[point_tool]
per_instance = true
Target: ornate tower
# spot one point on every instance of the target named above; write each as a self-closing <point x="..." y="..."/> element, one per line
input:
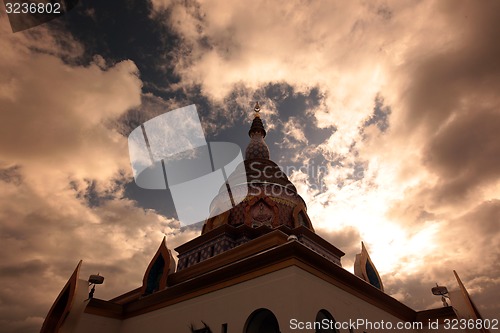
<point x="272" y="199"/>
<point x="257" y="267"/>
<point x="272" y="202"/>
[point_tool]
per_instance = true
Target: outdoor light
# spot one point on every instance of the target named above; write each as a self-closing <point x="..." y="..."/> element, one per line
<point x="93" y="280"/>
<point x="441" y="291"/>
<point x="96" y="279"/>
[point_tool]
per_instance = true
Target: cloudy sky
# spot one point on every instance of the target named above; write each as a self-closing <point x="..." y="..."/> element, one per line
<point x="386" y="116"/>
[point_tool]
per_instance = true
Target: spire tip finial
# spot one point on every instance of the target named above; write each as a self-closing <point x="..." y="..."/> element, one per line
<point x="256" y="107"/>
<point x="257" y="125"/>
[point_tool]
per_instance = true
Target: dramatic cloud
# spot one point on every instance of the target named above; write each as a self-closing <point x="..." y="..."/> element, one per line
<point x="62" y="171"/>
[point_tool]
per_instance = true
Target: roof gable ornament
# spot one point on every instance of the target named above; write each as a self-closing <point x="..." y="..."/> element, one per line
<point x="162" y="264"/>
<point x="63" y="304"/>
<point x="365" y="269"/>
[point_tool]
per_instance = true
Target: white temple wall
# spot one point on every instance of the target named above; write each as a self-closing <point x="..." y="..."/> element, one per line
<point x="293" y="295"/>
<point x="290" y="293"/>
<point x="98" y="324"/>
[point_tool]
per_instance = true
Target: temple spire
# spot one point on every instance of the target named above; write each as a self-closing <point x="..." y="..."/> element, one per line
<point x="257" y="125"/>
<point x="257" y="148"/>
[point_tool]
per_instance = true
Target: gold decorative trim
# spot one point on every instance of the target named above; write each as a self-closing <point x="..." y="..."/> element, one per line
<point x="285" y="202"/>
